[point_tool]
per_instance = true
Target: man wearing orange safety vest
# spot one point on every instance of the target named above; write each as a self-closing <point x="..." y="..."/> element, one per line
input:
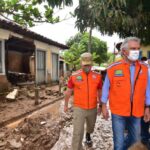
<point x="86" y="85"/>
<point x="127" y="87"/>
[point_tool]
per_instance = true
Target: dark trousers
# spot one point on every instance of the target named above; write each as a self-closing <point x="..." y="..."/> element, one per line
<point x="145" y="134"/>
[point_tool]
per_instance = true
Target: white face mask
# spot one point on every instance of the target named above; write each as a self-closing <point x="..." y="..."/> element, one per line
<point x="133" y="55"/>
<point x="146" y="61"/>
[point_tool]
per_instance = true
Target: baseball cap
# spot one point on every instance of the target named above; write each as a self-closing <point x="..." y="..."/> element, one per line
<point x="86" y="59"/>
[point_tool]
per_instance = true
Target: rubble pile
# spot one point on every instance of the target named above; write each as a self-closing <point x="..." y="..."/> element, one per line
<point x="44" y="92"/>
<point x="39" y="133"/>
<point x="24" y="92"/>
<point x="17" y="77"/>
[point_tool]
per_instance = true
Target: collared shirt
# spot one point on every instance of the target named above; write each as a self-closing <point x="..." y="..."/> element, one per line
<point x="132" y="72"/>
<point x="106" y="86"/>
<point x="148" y="89"/>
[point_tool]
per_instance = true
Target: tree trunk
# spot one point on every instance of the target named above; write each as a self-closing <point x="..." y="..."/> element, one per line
<point x="90" y="39"/>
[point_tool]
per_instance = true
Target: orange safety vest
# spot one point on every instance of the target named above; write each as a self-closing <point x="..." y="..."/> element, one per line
<point x="122" y="101"/>
<point x="86" y="89"/>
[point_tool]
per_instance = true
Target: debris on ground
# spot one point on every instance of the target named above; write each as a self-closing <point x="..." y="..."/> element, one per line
<point x="38" y="133"/>
<point x="25" y="100"/>
<point x="31" y="94"/>
<point x="14" y="144"/>
<point x="43" y="132"/>
<point x="12" y="95"/>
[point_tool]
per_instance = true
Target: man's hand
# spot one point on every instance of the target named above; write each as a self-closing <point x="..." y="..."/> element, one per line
<point x="65" y="108"/>
<point x="99" y="110"/>
<point x="67" y="96"/>
<point x="105" y="112"/>
<point x="147" y="114"/>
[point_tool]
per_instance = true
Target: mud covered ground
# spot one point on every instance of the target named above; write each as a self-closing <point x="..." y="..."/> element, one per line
<point x="25" y="101"/>
<point x="102" y="136"/>
<point x="51" y="128"/>
<point x="38" y="132"/>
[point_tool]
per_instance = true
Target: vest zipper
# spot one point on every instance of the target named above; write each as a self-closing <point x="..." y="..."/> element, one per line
<point x="131" y="96"/>
<point x="88" y="89"/>
<point x="134" y="89"/>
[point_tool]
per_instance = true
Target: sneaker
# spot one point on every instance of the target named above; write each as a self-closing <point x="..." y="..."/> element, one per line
<point x="88" y="141"/>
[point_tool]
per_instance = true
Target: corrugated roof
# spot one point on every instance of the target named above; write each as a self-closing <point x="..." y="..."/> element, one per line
<point x="11" y="26"/>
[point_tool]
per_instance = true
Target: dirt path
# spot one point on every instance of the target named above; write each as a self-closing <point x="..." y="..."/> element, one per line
<point x="102" y="136"/>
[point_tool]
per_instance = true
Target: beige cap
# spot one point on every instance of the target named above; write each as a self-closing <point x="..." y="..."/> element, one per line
<point x="86" y="59"/>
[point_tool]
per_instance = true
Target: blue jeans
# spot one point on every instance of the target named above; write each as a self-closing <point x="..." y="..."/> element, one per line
<point x="119" y="124"/>
<point x="145" y="135"/>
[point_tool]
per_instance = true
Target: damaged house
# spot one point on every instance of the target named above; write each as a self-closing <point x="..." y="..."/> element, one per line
<point x="26" y="56"/>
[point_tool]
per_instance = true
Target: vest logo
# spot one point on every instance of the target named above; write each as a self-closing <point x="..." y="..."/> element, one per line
<point x="118" y="73"/>
<point x="79" y="78"/>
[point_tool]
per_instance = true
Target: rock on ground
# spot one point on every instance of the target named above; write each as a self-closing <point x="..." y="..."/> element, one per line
<point x="12" y="95"/>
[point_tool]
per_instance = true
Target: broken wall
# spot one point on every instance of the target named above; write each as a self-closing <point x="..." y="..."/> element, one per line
<point x="4" y="84"/>
<point x="15" y="60"/>
<point x="20" y="62"/>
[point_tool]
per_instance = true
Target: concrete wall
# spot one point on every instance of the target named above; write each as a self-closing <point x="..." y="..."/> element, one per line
<point x="53" y="49"/>
<point x="5" y="34"/>
<point x="4" y="84"/>
<point x="49" y="50"/>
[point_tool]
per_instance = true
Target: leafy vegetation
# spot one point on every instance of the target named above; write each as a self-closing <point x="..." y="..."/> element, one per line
<point x="124" y="17"/>
<point x="79" y="44"/>
<point x="30" y="12"/>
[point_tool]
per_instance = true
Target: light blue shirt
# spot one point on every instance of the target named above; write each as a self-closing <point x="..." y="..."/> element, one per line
<point x="106" y="86"/>
<point x="148" y="89"/>
<point x="132" y="72"/>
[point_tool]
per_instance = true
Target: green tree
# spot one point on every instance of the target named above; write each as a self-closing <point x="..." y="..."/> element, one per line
<point x="29" y="12"/>
<point x="86" y="19"/>
<point x="125" y="17"/>
<point x="79" y="44"/>
<point x="110" y="58"/>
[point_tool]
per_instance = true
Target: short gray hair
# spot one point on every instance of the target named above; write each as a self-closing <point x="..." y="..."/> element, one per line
<point x="124" y="45"/>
